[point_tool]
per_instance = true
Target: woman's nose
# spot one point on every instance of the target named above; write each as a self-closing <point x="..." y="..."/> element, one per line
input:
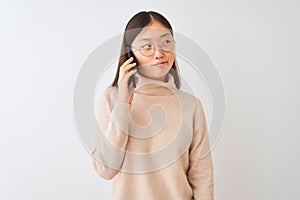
<point x="158" y="52"/>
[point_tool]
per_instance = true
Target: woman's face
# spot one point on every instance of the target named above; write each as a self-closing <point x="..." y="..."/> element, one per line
<point x="154" y="34"/>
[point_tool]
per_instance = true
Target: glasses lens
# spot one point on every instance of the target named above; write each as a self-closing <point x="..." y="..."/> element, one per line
<point x="166" y="46"/>
<point x="147" y="51"/>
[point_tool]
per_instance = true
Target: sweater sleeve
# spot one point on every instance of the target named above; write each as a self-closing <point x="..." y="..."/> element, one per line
<point x="200" y="173"/>
<point x="111" y="142"/>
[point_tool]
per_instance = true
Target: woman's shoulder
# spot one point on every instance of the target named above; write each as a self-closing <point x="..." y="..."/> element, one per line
<point x="109" y="93"/>
<point x="109" y="90"/>
<point x="191" y="102"/>
<point x="188" y="97"/>
<point x="107" y="97"/>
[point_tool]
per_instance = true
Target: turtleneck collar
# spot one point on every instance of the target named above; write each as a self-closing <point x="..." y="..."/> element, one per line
<point x="152" y="87"/>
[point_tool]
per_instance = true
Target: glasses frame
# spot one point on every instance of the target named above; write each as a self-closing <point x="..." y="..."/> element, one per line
<point x="155" y="48"/>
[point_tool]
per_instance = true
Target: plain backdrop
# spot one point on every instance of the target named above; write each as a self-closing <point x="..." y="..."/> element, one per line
<point x="254" y="44"/>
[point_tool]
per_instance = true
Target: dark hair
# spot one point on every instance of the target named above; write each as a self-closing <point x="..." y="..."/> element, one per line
<point x="133" y="28"/>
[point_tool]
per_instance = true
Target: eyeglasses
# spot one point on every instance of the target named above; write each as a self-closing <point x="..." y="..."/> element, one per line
<point x="149" y="48"/>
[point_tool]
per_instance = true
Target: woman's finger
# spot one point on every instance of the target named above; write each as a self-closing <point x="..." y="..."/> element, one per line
<point x="129" y="66"/>
<point x="128" y="75"/>
<point x="125" y="67"/>
<point x="127" y="62"/>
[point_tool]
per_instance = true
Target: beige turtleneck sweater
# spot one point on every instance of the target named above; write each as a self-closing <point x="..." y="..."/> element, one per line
<point x="153" y="148"/>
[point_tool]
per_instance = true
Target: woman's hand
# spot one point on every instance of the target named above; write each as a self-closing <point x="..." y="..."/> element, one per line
<point x="125" y="92"/>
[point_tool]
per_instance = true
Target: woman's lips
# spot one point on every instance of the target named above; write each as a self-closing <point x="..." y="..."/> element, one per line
<point x="160" y="64"/>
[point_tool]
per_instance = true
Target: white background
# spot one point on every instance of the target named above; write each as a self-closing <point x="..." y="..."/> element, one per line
<point x="254" y="44"/>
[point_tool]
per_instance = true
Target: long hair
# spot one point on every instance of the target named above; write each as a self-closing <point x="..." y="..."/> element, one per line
<point x="133" y="28"/>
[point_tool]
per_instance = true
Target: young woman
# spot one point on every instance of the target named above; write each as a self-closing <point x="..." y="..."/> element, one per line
<point x="152" y="132"/>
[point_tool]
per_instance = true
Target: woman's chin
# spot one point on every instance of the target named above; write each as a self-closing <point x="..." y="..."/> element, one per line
<point x="155" y="72"/>
<point x="155" y="76"/>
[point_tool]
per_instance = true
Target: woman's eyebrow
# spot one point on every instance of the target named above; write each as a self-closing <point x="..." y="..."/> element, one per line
<point x="144" y="39"/>
<point x="163" y="35"/>
<point x="166" y="34"/>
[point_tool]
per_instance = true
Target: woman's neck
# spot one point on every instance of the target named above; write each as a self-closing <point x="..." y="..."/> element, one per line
<point x="154" y="87"/>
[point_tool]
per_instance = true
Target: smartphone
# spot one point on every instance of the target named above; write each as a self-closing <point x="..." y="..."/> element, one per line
<point x="131" y="78"/>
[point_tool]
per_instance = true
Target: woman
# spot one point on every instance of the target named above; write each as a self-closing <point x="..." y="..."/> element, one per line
<point x="161" y="160"/>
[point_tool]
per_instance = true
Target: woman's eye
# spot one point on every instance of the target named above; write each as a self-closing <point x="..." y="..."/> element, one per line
<point x="166" y="42"/>
<point x="147" y="46"/>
